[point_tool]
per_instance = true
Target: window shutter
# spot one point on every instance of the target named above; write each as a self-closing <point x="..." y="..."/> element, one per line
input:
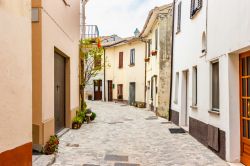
<point x="192" y="8"/>
<point x="199" y="4"/>
<point x="121" y="60"/>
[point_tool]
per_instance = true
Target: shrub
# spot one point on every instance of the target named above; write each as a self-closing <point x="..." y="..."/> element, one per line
<point x="52" y="145"/>
<point x="93" y="116"/>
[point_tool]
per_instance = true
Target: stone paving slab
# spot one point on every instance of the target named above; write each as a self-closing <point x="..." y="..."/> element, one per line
<point x="145" y="142"/>
<point x="115" y="158"/>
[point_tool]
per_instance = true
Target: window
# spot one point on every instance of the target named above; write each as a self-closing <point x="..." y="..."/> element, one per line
<point x="179" y="18"/>
<point x="215" y="87"/>
<point x="149" y="47"/>
<point x="196" y="5"/>
<point x="35" y="15"/>
<point x="156" y="39"/>
<point x="132" y="57"/>
<point x="194" y="99"/>
<point x="176" y="88"/>
<point x="120" y="60"/>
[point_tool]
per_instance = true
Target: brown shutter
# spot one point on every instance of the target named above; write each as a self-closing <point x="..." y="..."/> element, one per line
<point x="121" y="60"/>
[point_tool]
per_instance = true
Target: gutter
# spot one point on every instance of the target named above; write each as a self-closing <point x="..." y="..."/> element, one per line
<point x="172" y="57"/>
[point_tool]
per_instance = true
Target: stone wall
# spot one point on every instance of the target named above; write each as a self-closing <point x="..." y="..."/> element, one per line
<point x="165" y="28"/>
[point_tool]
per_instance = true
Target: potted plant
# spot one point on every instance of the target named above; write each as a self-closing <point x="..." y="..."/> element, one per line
<point x="77" y="122"/>
<point x="93" y="116"/>
<point x="147" y="59"/>
<point x="119" y="97"/>
<point x="154" y="52"/>
<point x="52" y="145"/>
<point x="88" y="115"/>
<point x="90" y="97"/>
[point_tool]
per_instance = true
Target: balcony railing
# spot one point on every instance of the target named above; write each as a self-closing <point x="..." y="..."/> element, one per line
<point x="90" y="32"/>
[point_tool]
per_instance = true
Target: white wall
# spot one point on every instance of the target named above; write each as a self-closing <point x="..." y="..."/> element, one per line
<point x="60" y="29"/>
<point x="227" y="36"/>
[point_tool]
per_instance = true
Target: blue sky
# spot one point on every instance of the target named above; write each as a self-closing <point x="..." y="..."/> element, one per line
<point x="120" y="17"/>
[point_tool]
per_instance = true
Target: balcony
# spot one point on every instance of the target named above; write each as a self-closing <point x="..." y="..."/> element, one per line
<point x="90" y="32"/>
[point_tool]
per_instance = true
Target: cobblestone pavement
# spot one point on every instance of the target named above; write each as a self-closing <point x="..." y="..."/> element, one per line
<point x="124" y="134"/>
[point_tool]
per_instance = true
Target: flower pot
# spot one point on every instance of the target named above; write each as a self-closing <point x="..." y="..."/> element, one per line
<point x="154" y="53"/>
<point x="147" y="59"/>
<point x="76" y="125"/>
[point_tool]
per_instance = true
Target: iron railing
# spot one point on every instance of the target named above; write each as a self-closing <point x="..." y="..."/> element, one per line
<point x="90" y="31"/>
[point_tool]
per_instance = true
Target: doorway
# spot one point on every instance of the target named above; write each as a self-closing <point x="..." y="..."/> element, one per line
<point x="59" y="92"/>
<point x="120" y="92"/>
<point x="110" y="90"/>
<point x="132" y="93"/>
<point x="97" y="89"/>
<point x="245" y="107"/>
<point x="184" y="101"/>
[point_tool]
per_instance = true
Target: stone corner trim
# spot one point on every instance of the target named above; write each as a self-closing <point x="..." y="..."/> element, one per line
<point x="19" y="156"/>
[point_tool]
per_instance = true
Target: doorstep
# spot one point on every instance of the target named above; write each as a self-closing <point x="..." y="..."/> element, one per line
<point x="62" y="132"/>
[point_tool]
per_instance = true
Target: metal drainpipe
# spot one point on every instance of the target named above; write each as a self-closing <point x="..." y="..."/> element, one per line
<point x="145" y="77"/>
<point x="104" y="74"/>
<point x="172" y="55"/>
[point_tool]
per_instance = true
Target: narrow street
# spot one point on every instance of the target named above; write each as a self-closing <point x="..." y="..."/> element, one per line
<point x="124" y="134"/>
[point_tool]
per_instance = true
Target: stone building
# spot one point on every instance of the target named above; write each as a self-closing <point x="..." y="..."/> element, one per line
<point x="55" y="67"/>
<point x="157" y="33"/>
<point x="16" y="83"/>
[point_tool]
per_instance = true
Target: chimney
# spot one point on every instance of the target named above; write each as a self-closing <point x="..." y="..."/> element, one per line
<point x="137" y="32"/>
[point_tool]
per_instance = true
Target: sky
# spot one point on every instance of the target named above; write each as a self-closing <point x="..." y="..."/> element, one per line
<point x="120" y="17"/>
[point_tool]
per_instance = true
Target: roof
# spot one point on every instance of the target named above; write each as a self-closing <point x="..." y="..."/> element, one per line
<point x="152" y="17"/>
<point x="121" y="41"/>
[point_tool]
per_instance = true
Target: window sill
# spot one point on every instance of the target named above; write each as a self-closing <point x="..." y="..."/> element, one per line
<point x="177" y="32"/>
<point x="215" y="112"/>
<point x="131" y="65"/>
<point x="194" y="107"/>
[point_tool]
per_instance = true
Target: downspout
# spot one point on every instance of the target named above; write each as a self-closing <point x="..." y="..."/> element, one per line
<point x="145" y="70"/>
<point x="172" y="57"/>
<point x="145" y="77"/>
<point x="206" y="25"/>
<point x="104" y="74"/>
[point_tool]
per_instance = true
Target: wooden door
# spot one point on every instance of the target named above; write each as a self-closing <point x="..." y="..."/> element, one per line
<point x="120" y="92"/>
<point x="59" y="92"/>
<point x="97" y="89"/>
<point x="110" y="90"/>
<point x="132" y="93"/>
<point x="245" y="107"/>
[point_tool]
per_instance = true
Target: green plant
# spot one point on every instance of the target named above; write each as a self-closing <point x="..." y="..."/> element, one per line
<point x="81" y="114"/>
<point x="77" y="120"/>
<point x="52" y="145"/>
<point x="93" y="116"/>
